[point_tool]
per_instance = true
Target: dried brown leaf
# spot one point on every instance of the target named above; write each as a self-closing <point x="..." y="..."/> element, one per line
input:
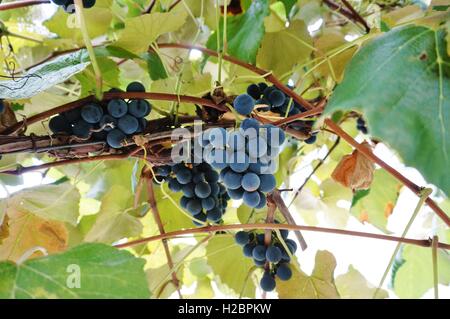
<point x="355" y="171"/>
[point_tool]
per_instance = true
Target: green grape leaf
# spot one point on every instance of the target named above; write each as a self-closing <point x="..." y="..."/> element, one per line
<point x="44" y="76"/>
<point x="401" y="82"/>
<point x="110" y="75"/>
<point x="142" y="30"/>
<point x="244" y="32"/>
<point x="320" y="285"/>
<point x="297" y="46"/>
<point x="114" y="220"/>
<point x="156" y="68"/>
<point x="353" y="285"/>
<point x="230" y="265"/>
<point x="171" y="216"/>
<point x="86" y="271"/>
<point x="415" y="275"/>
<point x="378" y="204"/>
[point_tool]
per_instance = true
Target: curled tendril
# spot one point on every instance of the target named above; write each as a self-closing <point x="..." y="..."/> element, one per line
<point x="11" y="67"/>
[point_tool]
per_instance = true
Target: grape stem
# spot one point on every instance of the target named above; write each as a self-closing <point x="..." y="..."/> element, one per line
<point x="348" y="12"/>
<point x="157" y="217"/>
<point x="279" y="202"/>
<point x="21" y="4"/>
<point x="371" y="156"/>
<point x="218" y="228"/>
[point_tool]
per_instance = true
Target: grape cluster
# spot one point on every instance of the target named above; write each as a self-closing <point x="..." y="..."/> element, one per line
<point x="361" y="125"/>
<point x="112" y="122"/>
<point x="69" y="6"/>
<point x="275" y="255"/>
<point x="245" y="158"/>
<point x="204" y="197"/>
<point x="269" y="98"/>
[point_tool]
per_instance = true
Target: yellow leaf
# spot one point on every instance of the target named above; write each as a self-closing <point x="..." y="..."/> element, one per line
<point x="280" y="51"/>
<point x="320" y="285"/>
<point x="141" y="31"/>
<point x="27" y="231"/>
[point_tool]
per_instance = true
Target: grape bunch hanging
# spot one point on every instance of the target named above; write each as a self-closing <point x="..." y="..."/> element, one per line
<point x="245" y="158"/>
<point x="273" y="258"/>
<point x="204" y="197"/>
<point x="112" y="122"/>
<point x="69" y="6"/>
<point x="269" y="98"/>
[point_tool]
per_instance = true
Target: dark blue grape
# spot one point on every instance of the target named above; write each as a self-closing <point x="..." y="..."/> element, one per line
<point x="212" y="176"/>
<point x="108" y="122"/>
<point x="292" y="245"/>
<point x="284" y="233"/>
<point x="248" y="250"/>
<point x="215" y="190"/>
<point x="198" y="177"/>
<point x="184" y="176"/>
<point x="194" y="207"/>
<point x="218" y="137"/>
<point x="59" y="124"/>
<point x="92" y="113"/>
<point x="275" y="136"/>
<point x="267" y="183"/>
<point x="135" y="87"/>
<point x="188" y="190"/>
<point x="250" y="182"/>
<point x="73" y="115"/>
<point x="184" y="201"/>
<point x="259" y="252"/>
<point x="214" y="214"/>
<point x="259" y="263"/>
<point x="139" y="108"/>
<point x="273" y="254"/>
<point x="174" y="186"/>
<point x="284" y="272"/>
<point x="236" y="141"/>
<point x="267" y="282"/>
<point x="239" y="162"/>
<point x="115" y="138"/>
<point x="244" y="104"/>
<point x="82" y="129"/>
<point x="257" y="147"/>
<point x="202" y="190"/>
<point x="260" y="238"/>
<point x="276" y="97"/>
<point x="251" y="198"/>
<point x="249" y="123"/>
<point x="311" y="140"/>
<point x="201" y="217"/>
<point x="163" y="170"/>
<point x="88" y="3"/>
<point x="236" y="194"/>
<point x="254" y="91"/>
<point x="262" y="86"/>
<point x="117" y="108"/>
<point x="208" y="203"/>
<point x="232" y="180"/>
<point x="267" y="91"/>
<point x="262" y="201"/>
<point x="128" y="124"/>
<point x="242" y="238"/>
